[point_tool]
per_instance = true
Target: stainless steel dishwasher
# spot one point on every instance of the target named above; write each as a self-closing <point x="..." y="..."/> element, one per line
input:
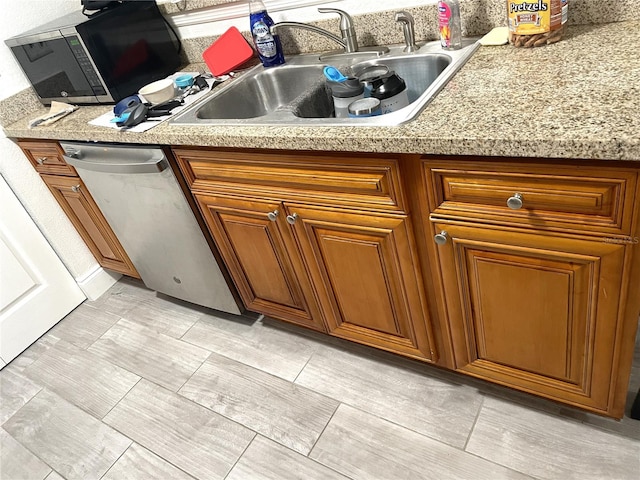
<point x="141" y="199"/>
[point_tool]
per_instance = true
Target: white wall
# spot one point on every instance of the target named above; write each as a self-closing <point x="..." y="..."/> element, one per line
<point x="17" y="17"/>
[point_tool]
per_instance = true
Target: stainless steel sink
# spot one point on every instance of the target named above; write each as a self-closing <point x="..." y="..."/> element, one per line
<point x="296" y="92"/>
<point x="258" y="95"/>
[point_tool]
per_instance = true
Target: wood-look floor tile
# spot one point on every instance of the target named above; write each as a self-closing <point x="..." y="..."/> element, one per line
<point x="31" y="354"/>
<point x="54" y="476"/>
<point x="278" y="409"/>
<point x="84" y="325"/>
<point x="363" y="446"/>
<point x="157" y="357"/>
<point x="18" y="463"/>
<point x="70" y="440"/>
<point x="122" y="296"/>
<point x="625" y="427"/>
<point x="138" y="463"/>
<point x="426" y="404"/>
<point x="267" y="460"/>
<point x="273" y="350"/>
<point x="191" y="437"/>
<point x="164" y="316"/>
<point x="15" y="391"/>
<point x="82" y="378"/>
<point x="549" y="447"/>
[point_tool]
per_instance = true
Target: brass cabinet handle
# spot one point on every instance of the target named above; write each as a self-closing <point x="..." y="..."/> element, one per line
<point x="75" y="188"/>
<point x="273" y="215"/>
<point x="441" y="238"/>
<point x="291" y="219"/>
<point x="515" y="202"/>
<point x="41" y="160"/>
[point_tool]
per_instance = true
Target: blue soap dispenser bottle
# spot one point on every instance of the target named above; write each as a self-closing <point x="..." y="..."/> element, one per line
<point x="268" y="45"/>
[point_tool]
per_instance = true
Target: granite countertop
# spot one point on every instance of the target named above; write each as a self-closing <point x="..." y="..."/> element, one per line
<point x="578" y="98"/>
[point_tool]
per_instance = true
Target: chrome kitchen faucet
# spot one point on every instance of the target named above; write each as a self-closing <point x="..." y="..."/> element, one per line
<point x="349" y="40"/>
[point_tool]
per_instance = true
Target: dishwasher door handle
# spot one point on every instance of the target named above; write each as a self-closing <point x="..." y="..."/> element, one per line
<point x="155" y="164"/>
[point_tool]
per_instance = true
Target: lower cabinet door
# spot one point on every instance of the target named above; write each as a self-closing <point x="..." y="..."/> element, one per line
<point x="367" y="278"/>
<point x="534" y="312"/>
<point x="75" y="200"/>
<point x="258" y="249"/>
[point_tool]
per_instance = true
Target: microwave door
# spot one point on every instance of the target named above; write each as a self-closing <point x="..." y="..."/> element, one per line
<point x="131" y="46"/>
<point x="53" y="70"/>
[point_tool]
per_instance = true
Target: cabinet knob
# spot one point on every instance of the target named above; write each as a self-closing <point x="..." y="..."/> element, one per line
<point x="41" y="160"/>
<point x="291" y="219"/>
<point x="515" y="202"/>
<point x="441" y="238"/>
<point x="75" y="188"/>
<point x="273" y="215"/>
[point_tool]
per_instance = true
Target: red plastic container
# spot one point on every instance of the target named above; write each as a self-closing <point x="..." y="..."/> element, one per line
<point x="229" y="51"/>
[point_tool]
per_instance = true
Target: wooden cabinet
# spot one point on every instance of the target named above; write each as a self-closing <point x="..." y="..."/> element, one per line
<point x="75" y="200"/>
<point x="365" y="271"/>
<point x="532" y="311"/>
<point x="319" y="240"/>
<point x="85" y="215"/>
<point x="521" y="272"/>
<point x="530" y="286"/>
<point x="536" y="292"/>
<point x="261" y="258"/>
<point x="576" y="198"/>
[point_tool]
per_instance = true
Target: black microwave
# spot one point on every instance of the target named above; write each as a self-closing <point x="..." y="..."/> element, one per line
<point x="101" y="58"/>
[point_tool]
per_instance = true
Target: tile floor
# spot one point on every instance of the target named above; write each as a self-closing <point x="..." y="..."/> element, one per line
<point x="136" y="386"/>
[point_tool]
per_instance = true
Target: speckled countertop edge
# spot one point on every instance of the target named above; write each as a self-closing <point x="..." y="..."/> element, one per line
<point x="579" y="98"/>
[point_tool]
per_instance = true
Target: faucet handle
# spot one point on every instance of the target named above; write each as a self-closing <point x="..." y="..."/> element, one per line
<point x="406" y="19"/>
<point x="347" y="28"/>
<point x="346" y="21"/>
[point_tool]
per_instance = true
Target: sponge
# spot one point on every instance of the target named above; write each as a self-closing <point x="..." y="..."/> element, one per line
<point x="497" y="36"/>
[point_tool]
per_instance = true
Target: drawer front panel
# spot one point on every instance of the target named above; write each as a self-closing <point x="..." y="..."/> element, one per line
<point x="552" y="197"/>
<point x="354" y="180"/>
<point x="46" y="157"/>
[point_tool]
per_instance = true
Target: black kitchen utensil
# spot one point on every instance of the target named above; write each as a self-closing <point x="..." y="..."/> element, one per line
<point x="201" y="82"/>
<point x="166" y="107"/>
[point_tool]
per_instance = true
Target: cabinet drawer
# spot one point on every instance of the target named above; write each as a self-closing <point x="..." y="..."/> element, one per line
<point x="333" y="179"/>
<point x="46" y="157"/>
<point x="552" y="197"/>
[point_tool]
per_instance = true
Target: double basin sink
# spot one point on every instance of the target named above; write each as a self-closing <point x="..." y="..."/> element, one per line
<point x="296" y="93"/>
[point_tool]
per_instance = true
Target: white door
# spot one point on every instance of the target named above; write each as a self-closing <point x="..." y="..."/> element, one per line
<point x="36" y="290"/>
